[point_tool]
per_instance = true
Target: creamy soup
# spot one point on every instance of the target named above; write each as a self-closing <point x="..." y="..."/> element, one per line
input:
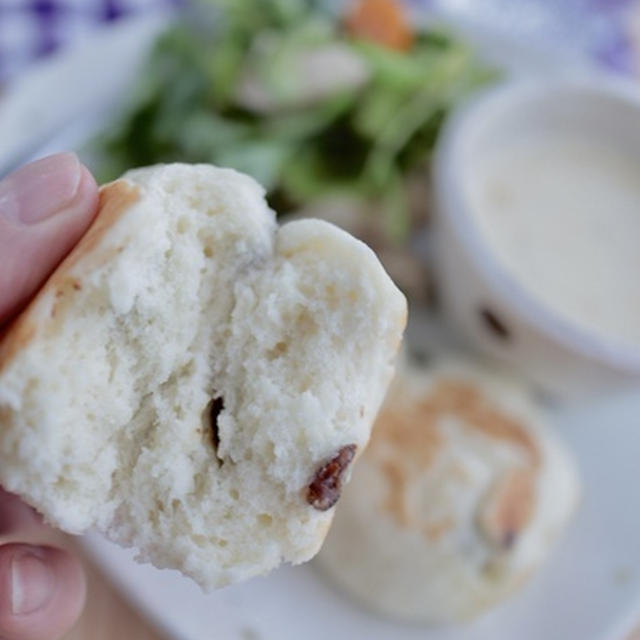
<point x="562" y="214"/>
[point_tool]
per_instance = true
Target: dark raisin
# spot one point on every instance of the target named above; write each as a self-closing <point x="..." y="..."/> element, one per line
<point x="217" y="405"/>
<point x="324" y="490"/>
<point x="493" y="323"/>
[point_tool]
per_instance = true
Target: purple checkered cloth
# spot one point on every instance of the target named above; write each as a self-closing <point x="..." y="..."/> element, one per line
<point x="30" y="29"/>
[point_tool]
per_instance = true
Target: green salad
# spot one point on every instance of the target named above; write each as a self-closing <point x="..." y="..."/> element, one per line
<point x="313" y="103"/>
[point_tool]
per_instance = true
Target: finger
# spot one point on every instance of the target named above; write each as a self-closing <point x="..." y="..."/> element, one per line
<point x="30" y="576"/>
<point x="42" y="592"/>
<point x="45" y="207"/>
<point x="16" y="517"/>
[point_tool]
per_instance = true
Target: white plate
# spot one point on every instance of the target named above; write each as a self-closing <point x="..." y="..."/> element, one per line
<point x="590" y="590"/>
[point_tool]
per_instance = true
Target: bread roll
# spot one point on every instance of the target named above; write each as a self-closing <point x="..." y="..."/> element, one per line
<point x="193" y="380"/>
<point x="458" y="499"/>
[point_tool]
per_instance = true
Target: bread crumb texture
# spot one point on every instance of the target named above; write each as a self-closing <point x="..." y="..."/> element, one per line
<point x="186" y="371"/>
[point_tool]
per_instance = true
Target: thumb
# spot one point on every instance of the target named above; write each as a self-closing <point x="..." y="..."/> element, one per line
<point x="42" y="588"/>
<point x="45" y="207"/>
<point x="42" y="591"/>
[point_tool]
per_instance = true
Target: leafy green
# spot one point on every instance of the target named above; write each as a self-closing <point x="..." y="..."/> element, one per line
<point x="234" y="83"/>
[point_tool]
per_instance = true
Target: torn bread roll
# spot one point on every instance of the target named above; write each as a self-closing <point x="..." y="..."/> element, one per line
<point x="458" y="498"/>
<point x="195" y="381"/>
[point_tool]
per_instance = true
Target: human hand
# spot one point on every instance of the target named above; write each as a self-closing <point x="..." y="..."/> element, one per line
<point x="45" y="207"/>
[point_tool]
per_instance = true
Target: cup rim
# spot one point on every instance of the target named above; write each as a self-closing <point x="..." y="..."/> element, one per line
<point x="616" y="353"/>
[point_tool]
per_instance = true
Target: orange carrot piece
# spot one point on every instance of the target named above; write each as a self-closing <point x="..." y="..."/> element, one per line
<point x="382" y="21"/>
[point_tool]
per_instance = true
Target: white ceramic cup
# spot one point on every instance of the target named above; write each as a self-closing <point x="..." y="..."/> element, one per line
<point x="492" y="310"/>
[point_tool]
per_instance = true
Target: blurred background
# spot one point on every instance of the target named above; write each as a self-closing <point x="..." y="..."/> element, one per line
<point x="603" y="29"/>
<point x="489" y="152"/>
